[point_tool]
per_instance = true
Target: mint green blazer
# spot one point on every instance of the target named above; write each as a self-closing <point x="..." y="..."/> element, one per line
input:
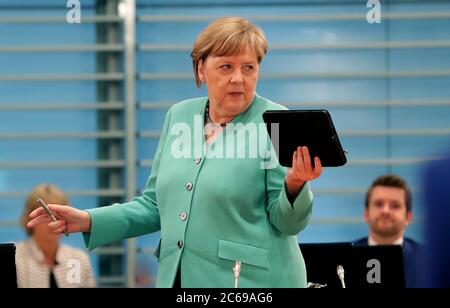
<point x="213" y="211"/>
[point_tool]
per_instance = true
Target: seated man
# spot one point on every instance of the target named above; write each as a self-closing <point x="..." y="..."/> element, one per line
<point x="388" y="211"/>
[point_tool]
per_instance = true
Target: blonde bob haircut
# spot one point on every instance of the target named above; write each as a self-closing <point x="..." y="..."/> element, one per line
<point x="228" y="36"/>
<point x="47" y="192"/>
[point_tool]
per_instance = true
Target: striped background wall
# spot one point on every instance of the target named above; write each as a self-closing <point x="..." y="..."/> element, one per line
<point x="387" y="87"/>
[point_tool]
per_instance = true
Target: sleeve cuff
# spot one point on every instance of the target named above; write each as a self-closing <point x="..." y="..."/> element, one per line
<point x="301" y="203"/>
<point x="87" y="235"/>
<point x="101" y="231"/>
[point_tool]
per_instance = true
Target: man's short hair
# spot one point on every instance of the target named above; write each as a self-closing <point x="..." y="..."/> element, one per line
<point x="391" y="180"/>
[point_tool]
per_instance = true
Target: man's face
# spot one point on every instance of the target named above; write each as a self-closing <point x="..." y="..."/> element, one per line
<point x="230" y="81"/>
<point x="387" y="215"/>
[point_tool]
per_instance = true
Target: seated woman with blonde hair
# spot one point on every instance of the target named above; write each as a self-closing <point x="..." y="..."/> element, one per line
<point x="41" y="261"/>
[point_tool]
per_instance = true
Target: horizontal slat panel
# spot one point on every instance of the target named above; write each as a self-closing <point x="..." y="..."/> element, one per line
<point x="349" y="220"/>
<point x="373" y="103"/>
<point x="155" y="105"/>
<point x="121" y="250"/>
<point x="73" y="193"/>
<point x="299" y="17"/>
<point x="57" y="19"/>
<point x="340" y="191"/>
<point x="391" y="161"/>
<point x="291" y="75"/>
<point x="412" y="132"/>
<point x="109" y="251"/>
<point x="62" y="106"/>
<point x="105" y="280"/>
<point x="64" y="135"/>
<point x="297" y="46"/>
<point x="64" y="48"/>
<point x="63" y="77"/>
<point x="62" y="164"/>
<point x="350" y="191"/>
<point x="338" y="220"/>
<point x="149" y="134"/>
<point x="145" y="163"/>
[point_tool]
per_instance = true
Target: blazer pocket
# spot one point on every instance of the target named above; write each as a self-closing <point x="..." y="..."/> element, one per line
<point x="245" y="253"/>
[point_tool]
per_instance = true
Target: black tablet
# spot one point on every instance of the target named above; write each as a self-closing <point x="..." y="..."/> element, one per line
<point x="290" y="129"/>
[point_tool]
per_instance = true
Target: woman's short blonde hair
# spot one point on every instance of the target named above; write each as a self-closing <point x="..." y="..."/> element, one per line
<point x="47" y="192"/>
<point x="228" y="36"/>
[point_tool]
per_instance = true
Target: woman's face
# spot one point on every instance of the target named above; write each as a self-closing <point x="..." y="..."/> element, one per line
<point x="230" y="81"/>
<point x="43" y="233"/>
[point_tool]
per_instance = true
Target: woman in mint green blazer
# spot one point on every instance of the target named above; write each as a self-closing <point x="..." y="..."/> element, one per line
<point x="228" y="214"/>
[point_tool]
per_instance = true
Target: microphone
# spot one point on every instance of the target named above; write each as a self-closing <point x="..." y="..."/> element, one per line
<point x="340" y="273"/>
<point x="237" y="272"/>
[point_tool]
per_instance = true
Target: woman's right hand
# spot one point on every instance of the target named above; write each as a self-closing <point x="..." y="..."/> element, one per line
<point x="69" y="219"/>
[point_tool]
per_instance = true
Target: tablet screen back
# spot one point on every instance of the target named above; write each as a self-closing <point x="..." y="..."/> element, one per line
<point x="290" y="129"/>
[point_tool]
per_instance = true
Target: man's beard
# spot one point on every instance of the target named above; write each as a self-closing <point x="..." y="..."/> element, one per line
<point x="386" y="231"/>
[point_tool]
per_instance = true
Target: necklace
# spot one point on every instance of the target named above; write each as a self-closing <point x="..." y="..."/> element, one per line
<point x="208" y="118"/>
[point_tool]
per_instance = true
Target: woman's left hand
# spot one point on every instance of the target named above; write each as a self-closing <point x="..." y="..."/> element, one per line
<point x="302" y="170"/>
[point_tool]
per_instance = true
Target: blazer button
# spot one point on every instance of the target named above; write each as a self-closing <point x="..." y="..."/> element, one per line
<point x="189" y="186"/>
<point x="180" y="244"/>
<point x="198" y="160"/>
<point x="183" y="216"/>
